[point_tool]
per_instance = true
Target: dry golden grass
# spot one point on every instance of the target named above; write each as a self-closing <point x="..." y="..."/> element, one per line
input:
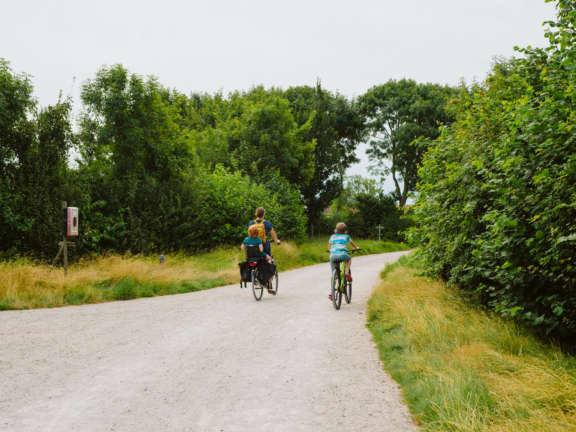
<point x="463" y="369"/>
<point x="24" y="284"/>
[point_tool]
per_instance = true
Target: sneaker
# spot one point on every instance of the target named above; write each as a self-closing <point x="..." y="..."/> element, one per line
<point x="330" y="297"/>
<point x="349" y="277"/>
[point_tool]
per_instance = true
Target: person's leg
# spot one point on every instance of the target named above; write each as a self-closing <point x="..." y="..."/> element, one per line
<point x="267" y="248"/>
<point x="348" y="264"/>
<point x="333" y="264"/>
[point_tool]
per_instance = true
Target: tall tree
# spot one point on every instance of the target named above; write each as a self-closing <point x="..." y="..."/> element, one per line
<point x="266" y="137"/>
<point x="402" y="116"/>
<point x="254" y="132"/>
<point x="34" y="147"/>
<point x="16" y="133"/>
<point x="337" y="127"/>
<point x="137" y="151"/>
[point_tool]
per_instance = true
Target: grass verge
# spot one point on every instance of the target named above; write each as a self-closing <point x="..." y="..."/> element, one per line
<point x="463" y="369"/>
<point x="26" y="285"/>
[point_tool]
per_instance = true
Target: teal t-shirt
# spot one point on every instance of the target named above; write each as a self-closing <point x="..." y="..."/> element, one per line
<point x="253" y="241"/>
<point x="339" y="244"/>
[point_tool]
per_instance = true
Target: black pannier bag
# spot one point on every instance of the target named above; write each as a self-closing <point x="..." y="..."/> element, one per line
<point x="245" y="275"/>
<point x="265" y="271"/>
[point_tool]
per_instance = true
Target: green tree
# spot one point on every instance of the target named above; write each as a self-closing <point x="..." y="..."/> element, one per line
<point x="253" y="132"/>
<point x="336" y="126"/>
<point x="34" y="147"/>
<point x="265" y="136"/>
<point x="402" y="115"/>
<point x="16" y="134"/>
<point x="138" y="158"/>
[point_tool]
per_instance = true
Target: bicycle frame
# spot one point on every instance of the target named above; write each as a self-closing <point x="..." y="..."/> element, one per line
<point x="340" y="285"/>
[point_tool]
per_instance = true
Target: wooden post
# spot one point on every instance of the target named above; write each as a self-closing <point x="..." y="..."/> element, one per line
<point x="58" y="254"/>
<point x="379" y="230"/>
<point x="65" y="247"/>
<point x="65" y="243"/>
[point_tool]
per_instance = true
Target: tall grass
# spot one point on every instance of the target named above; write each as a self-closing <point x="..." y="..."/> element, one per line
<point x="463" y="369"/>
<point x="25" y="284"/>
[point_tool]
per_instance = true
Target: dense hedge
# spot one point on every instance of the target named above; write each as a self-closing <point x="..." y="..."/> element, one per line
<point x="368" y="211"/>
<point x="497" y="206"/>
<point x="227" y="204"/>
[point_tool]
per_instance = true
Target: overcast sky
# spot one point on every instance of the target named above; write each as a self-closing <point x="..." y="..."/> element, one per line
<point x="211" y="45"/>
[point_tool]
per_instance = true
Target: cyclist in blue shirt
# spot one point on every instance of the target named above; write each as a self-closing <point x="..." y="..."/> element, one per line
<point x="338" y="245"/>
<point x="265" y="230"/>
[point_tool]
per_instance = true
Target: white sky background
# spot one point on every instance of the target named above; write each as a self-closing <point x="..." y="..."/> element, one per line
<point x="211" y="45"/>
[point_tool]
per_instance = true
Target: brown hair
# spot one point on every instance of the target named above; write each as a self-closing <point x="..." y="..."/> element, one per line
<point x="341" y="228"/>
<point x="260" y="212"/>
<point x="253" y="231"/>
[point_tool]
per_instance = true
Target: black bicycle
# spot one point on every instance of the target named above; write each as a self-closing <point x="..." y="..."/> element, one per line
<point x="257" y="274"/>
<point x="340" y="285"/>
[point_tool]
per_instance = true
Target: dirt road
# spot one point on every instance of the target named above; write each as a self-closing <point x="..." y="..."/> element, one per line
<point x="215" y="360"/>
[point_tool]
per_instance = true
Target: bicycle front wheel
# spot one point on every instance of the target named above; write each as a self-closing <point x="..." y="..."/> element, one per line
<point x="257" y="288"/>
<point x="336" y="293"/>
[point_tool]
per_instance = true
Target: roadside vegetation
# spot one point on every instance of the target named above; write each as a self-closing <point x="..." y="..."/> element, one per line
<point x="462" y="368"/>
<point x="497" y="190"/>
<point x="25" y="284"/>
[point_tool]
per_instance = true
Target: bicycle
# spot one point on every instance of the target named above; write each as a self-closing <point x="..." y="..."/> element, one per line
<point x="254" y="260"/>
<point x="340" y="285"/>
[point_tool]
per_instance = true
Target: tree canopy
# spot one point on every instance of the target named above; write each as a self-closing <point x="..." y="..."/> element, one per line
<point x="402" y="116"/>
<point x="336" y="126"/>
<point x="34" y="146"/>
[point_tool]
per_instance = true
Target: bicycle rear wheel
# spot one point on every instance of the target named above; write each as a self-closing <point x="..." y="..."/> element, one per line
<point x="348" y="291"/>
<point x="257" y="288"/>
<point x="336" y="293"/>
<point x="346" y="284"/>
<point x="274" y="283"/>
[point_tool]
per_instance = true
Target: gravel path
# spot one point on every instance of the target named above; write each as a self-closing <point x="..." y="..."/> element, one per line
<point x="214" y="360"/>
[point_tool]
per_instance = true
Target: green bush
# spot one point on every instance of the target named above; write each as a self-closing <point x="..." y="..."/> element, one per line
<point x="370" y="211"/>
<point x="497" y="206"/>
<point x="227" y="203"/>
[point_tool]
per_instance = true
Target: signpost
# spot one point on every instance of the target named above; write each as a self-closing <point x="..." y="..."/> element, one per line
<point x="379" y="231"/>
<point x="70" y="229"/>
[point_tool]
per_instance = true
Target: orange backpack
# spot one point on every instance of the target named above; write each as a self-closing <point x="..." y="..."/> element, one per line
<point x="259" y="223"/>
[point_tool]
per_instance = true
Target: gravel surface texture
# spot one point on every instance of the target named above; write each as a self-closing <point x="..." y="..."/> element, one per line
<point x="214" y="360"/>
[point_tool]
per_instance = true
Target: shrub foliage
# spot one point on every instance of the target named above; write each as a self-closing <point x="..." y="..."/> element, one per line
<point x="497" y="205"/>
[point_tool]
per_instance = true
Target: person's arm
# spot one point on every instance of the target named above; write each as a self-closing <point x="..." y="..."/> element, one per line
<point x="261" y="247"/>
<point x="354" y="244"/>
<point x="242" y="246"/>
<point x="274" y="236"/>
